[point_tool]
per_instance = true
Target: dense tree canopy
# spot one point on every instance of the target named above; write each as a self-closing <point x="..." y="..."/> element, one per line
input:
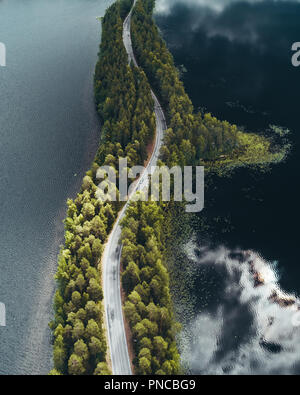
<point x="145" y="279"/>
<point x="123" y="98"/>
<point x="190" y="137"/>
<point x="125" y="107"/>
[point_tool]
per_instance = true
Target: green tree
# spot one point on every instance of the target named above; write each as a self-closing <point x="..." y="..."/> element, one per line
<point x="102" y="369"/>
<point x="75" y="365"/>
<point x="144" y="365"/>
<point x="95" y="290"/>
<point x="81" y="350"/>
<point x="96" y="347"/>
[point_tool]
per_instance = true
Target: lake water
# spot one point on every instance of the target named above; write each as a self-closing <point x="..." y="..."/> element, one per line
<point x="237" y="65"/>
<point x="48" y="136"/>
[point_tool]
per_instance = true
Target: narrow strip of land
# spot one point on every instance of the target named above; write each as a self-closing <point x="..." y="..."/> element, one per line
<point x="120" y="360"/>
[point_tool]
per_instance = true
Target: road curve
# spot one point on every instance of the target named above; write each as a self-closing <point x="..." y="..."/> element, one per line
<point x="121" y="364"/>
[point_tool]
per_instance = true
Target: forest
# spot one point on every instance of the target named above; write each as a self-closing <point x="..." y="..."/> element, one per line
<point x="145" y="279"/>
<point x="192" y="138"/>
<point x="125" y="108"/>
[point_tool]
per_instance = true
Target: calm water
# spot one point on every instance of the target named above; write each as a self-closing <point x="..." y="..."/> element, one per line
<point x="238" y="66"/>
<point x="49" y="134"/>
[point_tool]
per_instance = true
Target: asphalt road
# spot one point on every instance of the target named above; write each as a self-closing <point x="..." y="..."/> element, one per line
<point x="111" y="257"/>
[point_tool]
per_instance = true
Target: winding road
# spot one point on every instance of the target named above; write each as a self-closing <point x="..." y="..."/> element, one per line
<point x="121" y="364"/>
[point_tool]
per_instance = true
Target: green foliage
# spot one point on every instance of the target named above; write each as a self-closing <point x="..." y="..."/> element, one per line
<point x="102" y="369"/>
<point x="148" y="307"/>
<point x="253" y="150"/>
<point x="192" y="138"/>
<point x="54" y="372"/>
<point x="125" y="106"/>
<point x="79" y="340"/>
<point x="125" y="6"/>
<point x="123" y="96"/>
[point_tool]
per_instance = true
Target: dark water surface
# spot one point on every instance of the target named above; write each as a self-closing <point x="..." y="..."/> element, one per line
<point x="238" y="66"/>
<point x="48" y="136"/>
